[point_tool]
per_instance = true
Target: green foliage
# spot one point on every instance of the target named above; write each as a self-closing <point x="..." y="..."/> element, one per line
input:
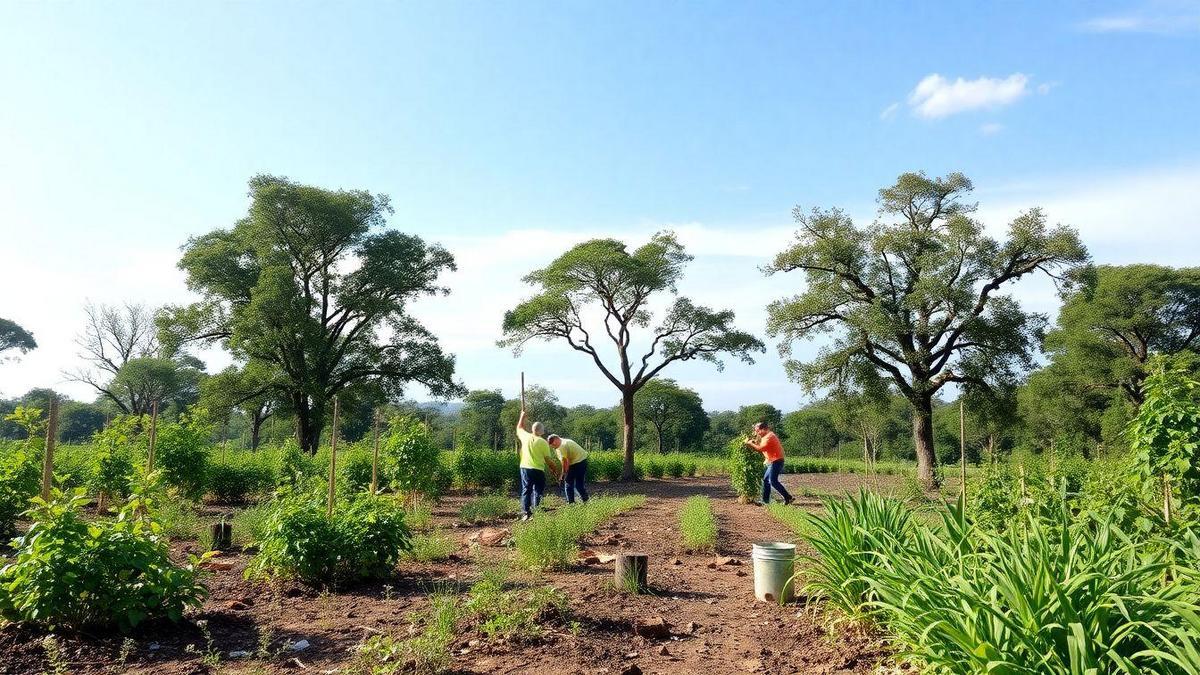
<point x="13" y="336"/>
<point x="655" y="468"/>
<point x="72" y="572"/>
<point x="674" y="468"/>
<point x="796" y="518"/>
<point x="431" y="546"/>
<point x="676" y="414"/>
<point x="515" y="615"/>
<point x="427" y="653"/>
<point x="1056" y="594"/>
<point x="181" y="453"/>
<point x="1166" y="432"/>
<point x="410" y="458"/>
<point x="745" y="470"/>
<point x="698" y="524"/>
<point x="551" y="540"/>
<point x="240" y="475"/>
<point x="489" y="508"/>
<point x="293" y="465"/>
<point x="251" y="525"/>
<point x="20" y="479"/>
<point x="604" y="466"/>
<point x="485" y="469"/>
<point x="364" y="538"/>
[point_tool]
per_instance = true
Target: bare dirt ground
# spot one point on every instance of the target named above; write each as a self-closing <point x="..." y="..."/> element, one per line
<point x="715" y="624"/>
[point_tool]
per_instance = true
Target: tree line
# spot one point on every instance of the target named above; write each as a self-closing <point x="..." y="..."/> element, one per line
<point x="309" y="294"/>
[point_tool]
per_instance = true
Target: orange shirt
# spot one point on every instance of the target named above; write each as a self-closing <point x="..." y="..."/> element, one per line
<point x="770" y="447"/>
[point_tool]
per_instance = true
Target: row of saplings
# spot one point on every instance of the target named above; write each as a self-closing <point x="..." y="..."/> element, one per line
<point x="73" y="569"/>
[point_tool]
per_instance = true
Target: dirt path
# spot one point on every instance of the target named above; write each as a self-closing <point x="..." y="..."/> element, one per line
<point x="731" y="633"/>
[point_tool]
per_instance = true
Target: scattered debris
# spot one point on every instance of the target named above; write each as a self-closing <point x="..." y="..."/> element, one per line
<point x="662" y="651"/>
<point x="237" y="605"/>
<point x="691" y="627"/>
<point x="655" y="628"/>
<point x="605" y="558"/>
<point x="676" y="561"/>
<point x="299" y="646"/>
<point x="491" y="536"/>
<point x="239" y="654"/>
<point x="741" y="573"/>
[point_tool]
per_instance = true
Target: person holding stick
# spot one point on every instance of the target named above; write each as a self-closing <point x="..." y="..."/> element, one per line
<point x="765" y="441"/>
<point x="574" y="467"/>
<point x="535" y="456"/>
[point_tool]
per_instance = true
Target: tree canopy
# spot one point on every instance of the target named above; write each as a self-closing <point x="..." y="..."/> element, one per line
<point x="915" y="295"/>
<point x="13" y="336"/>
<point x="674" y="412"/>
<point x="602" y="278"/>
<point x="311" y="284"/>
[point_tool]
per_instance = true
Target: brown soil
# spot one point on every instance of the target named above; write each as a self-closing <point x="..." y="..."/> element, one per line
<point x="731" y="632"/>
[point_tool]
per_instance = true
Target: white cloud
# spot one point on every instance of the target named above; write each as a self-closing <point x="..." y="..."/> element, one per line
<point x="935" y="96"/>
<point x="889" y="112"/>
<point x="991" y="128"/>
<point x="1163" y="17"/>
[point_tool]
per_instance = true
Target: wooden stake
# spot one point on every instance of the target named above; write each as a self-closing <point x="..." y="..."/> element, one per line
<point x="153" y="435"/>
<point x="48" y="458"/>
<point x="375" y="457"/>
<point x="1166" y="482"/>
<point x="962" y="446"/>
<point x="332" y="461"/>
<point x="522" y="390"/>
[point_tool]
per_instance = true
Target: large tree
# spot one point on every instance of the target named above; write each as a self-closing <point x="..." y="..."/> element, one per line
<point x="113" y="337"/>
<point x="479" y="420"/>
<point x="311" y="283"/>
<point x="13" y="336"/>
<point x="600" y="289"/>
<point x="915" y="295"/>
<point x="673" y="411"/>
<point x="1110" y="327"/>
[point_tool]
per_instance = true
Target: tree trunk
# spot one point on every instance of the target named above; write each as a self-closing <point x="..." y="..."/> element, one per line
<point x="309" y="420"/>
<point x="627" y="434"/>
<point x="256" y="425"/>
<point x="922" y="422"/>
<point x="658" y="434"/>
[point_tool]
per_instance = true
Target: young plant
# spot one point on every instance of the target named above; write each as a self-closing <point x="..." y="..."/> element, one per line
<point x="431" y="546"/>
<point x="551" y="540"/>
<point x="489" y="508"/>
<point x="698" y="524"/>
<point x="745" y="471"/>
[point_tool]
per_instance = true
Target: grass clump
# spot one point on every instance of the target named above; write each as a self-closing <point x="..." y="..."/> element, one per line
<point x="488" y="508"/>
<point x="551" y="541"/>
<point x="428" y="653"/>
<point x="431" y="546"/>
<point x="698" y="524"/>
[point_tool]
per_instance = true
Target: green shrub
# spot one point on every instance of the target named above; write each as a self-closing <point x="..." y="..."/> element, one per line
<point x="250" y="525"/>
<point x="489" y="508"/>
<point x="674" y="468"/>
<point x="293" y="465"/>
<point x="551" y="540"/>
<point x="20" y="480"/>
<point x="689" y="469"/>
<point x="181" y="453"/>
<point x="411" y="459"/>
<point x="354" y="467"/>
<point x="605" y="466"/>
<point x="655" y="468"/>
<point x="363" y="539"/>
<point x="239" y="476"/>
<point x="745" y="471"/>
<point x="698" y="524"/>
<point x="69" y="571"/>
<point x="74" y="467"/>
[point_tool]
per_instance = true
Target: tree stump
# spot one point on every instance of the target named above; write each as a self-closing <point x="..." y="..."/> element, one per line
<point x="630" y="571"/>
<point x="222" y="536"/>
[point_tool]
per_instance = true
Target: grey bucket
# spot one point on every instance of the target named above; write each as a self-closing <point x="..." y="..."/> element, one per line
<point x="774" y="566"/>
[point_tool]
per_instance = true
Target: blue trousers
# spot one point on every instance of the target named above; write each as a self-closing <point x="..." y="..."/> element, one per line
<point x="533" y="486"/>
<point x="771" y="480"/>
<point x="574" y="482"/>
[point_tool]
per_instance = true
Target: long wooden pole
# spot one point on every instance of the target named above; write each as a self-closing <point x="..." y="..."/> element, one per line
<point x="332" y="460"/>
<point x="153" y="435"/>
<point x="962" y="446"/>
<point x="375" y="457"/>
<point x="51" y="439"/>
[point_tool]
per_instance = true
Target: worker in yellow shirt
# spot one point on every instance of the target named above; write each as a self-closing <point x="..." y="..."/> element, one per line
<point x="574" y="467"/>
<point x="536" y="456"/>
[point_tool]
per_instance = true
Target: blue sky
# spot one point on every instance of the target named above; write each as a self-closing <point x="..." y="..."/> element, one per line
<point x="509" y="131"/>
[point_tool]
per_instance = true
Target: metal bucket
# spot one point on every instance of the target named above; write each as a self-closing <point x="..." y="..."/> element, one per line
<point x="774" y="567"/>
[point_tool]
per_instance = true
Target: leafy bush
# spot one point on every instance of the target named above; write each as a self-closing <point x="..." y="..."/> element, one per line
<point x="293" y="465"/>
<point x="181" y="453"/>
<point x="655" y="468"/>
<point x="551" y="540"/>
<point x="69" y="571"/>
<point x="604" y="466"/>
<point x="364" y="538"/>
<point x="745" y="471"/>
<point x="410" y="456"/>
<point x="698" y="524"/>
<point x="1165" y="433"/>
<point x="239" y="476"/>
<point x="488" y="508"/>
<point x="20" y="479"/>
<point x="689" y="469"/>
<point x="354" y="467"/>
<point x="674" y="468"/>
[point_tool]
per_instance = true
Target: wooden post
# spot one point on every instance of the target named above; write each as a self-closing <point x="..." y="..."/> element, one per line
<point x="225" y="442"/>
<point x="153" y="436"/>
<point x="222" y="536"/>
<point x="375" y="457"/>
<point x="962" y="446"/>
<point x="1166" y="483"/>
<point x="332" y="460"/>
<point x="630" y="571"/>
<point x="51" y="439"/>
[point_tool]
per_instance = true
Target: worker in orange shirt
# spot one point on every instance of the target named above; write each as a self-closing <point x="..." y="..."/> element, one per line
<point x="765" y="441"/>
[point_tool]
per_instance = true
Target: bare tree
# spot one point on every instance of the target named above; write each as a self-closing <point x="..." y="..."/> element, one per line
<point x="112" y="337"/>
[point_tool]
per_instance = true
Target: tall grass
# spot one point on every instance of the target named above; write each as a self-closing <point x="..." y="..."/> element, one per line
<point x="551" y="540"/>
<point x="1063" y="593"/>
<point x="488" y="508"/>
<point x="698" y="524"/>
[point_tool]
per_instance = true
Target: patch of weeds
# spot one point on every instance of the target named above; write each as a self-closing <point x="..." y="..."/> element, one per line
<point x="794" y="517"/>
<point x="249" y="525"/>
<point x="210" y="656"/>
<point x="513" y="615"/>
<point x="431" y="546"/>
<point x="419" y="515"/>
<point x="428" y="653"/>
<point x="55" y="659"/>
<point x="489" y="508"/>
<point x="551" y="540"/>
